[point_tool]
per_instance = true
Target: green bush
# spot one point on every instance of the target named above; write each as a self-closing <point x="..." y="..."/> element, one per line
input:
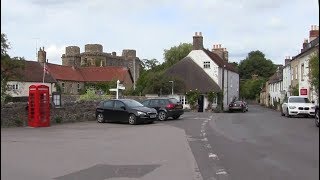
<point x="58" y="119"/>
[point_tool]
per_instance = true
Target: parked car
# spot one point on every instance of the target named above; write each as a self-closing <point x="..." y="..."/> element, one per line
<point x="166" y="107"/>
<point x="317" y="115"/>
<point x="124" y="110"/>
<point x="296" y="106"/>
<point x="238" y="106"/>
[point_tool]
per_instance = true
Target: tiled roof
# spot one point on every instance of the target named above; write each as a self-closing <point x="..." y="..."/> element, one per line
<point x="108" y="73"/>
<point x="276" y="77"/>
<point x="219" y="61"/>
<point x="88" y="74"/>
<point x="68" y="73"/>
<point x="193" y="76"/>
<point x="33" y="72"/>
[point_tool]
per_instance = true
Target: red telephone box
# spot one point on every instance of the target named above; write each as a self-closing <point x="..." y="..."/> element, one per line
<point x="39" y="106"/>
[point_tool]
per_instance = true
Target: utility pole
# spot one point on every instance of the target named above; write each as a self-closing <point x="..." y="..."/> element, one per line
<point x="171" y="87"/>
<point x="134" y="74"/>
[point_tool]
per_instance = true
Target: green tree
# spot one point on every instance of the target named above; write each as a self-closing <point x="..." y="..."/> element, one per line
<point x="149" y="63"/>
<point x="176" y="53"/>
<point x="250" y="88"/>
<point x="314" y="71"/>
<point x="256" y="63"/>
<point x="9" y="66"/>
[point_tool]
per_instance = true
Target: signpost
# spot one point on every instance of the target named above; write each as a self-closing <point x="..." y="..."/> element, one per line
<point x="119" y="86"/>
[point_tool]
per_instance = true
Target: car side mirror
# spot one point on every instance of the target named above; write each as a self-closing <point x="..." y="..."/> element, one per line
<point x="312" y="102"/>
<point x="123" y="107"/>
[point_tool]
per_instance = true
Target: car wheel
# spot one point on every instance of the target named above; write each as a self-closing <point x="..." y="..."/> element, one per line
<point x="162" y="116"/>
<point x="317" y="118"/>
<point x="100" y="118"/>
<point x="175" y="117"/>
<point x="243" y="110"/>
<point x="282" y="114"/>
<point x="288" y="115"/>
<point x="132" y="119"/>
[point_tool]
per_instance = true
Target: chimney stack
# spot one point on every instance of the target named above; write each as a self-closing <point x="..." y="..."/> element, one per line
<point x="197" y="41"/>
<point x="287" y="60"/>
<point x="220" y="51"/>
<point x="42" y="55"/>
<point x="314" y="32"/>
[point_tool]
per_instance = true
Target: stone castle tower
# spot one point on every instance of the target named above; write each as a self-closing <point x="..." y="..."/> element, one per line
<point x="93" y="55"/>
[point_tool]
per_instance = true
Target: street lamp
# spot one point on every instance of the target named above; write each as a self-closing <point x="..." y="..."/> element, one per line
<point x="171" y="87"/>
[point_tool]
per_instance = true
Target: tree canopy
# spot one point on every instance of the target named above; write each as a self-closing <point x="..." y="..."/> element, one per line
<point x="153" y="79"/>
<point x="314" y="71"/>
<point x="9" y="66"/>
<point x="176" y="53"/>
<point x="256" y="63"/>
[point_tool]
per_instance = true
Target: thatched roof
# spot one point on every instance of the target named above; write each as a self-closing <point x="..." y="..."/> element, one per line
<point x="193" y="76"/>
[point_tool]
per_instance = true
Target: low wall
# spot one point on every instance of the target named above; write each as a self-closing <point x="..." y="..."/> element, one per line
<point x="15" y="114"/>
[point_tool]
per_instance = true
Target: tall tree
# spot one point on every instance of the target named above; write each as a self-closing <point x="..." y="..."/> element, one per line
<point x="256" y="63"/>
<point x="149" y="63"/>
<point x="176" y="53"/>
<point x="314" y="71"/>
<point x="9" y="66"/>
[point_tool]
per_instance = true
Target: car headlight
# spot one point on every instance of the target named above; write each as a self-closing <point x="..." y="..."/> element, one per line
<point x="292" y="107"/>
<point x="313" y="107"/>
<point x="141" y="113"/>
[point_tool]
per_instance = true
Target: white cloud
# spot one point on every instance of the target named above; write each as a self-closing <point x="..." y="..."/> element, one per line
<point x="54" y="53"/>
<point x="150" y="26"/>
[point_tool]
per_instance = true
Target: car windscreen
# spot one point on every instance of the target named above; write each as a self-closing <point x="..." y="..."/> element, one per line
<point x="132" y="103"/>
<point x="174" y="100"/>
<point x="238" y="102"/>
<point x="298" y="100"/>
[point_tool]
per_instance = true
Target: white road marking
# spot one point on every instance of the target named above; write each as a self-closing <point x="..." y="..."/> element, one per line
<point x="214" y="156"/>
<point x="208" y="146"/>
<point x="204" y="139"/>
<point x="221" y="171"/>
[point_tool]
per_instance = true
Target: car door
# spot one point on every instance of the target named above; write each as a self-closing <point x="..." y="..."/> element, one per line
<point x="108" y="110"/>
<point x="120" y="112"/>
<point x="154" y="103"/>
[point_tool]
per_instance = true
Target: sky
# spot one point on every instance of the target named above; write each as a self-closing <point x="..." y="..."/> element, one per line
<point x="276" y="28"/>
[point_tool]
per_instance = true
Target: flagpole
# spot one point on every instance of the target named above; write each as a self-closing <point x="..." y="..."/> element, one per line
<point x="44" y="69"/>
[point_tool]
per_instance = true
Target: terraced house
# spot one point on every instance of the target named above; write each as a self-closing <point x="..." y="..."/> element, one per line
<point x="294" y="79"/>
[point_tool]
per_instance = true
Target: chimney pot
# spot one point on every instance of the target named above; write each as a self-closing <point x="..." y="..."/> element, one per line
<point x="200" y="33"/>
<point x="196" y="34"/>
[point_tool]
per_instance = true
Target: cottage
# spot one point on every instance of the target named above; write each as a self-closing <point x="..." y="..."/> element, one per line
<point x="207" y="71"/>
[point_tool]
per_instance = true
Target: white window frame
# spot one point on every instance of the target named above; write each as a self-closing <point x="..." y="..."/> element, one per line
<point x="206" y="65"/>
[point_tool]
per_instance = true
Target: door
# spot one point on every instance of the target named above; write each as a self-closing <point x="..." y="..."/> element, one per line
<point x="120" y="112"/>
<point x="108" y="111"/>
<point x="154" y="103"/>
<point x="200" y="103"/>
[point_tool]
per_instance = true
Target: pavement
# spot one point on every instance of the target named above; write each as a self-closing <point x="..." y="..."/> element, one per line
<point x="89" y="150"/>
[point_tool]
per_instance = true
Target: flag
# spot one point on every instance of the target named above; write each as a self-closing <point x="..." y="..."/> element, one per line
<point x="45" y="69"/>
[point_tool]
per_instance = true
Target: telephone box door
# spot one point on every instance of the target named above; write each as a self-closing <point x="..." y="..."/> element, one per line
<point x="39" y="106"/>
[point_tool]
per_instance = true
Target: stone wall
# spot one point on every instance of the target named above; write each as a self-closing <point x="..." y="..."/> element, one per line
<point x="16" y="115"/>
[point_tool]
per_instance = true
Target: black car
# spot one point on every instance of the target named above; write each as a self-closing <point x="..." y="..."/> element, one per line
<point x="238" y="106"/>
<point x="166" y="107"/>
<point x="124" y="110"/>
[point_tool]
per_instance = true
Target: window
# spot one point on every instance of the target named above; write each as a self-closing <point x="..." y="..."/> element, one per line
<point x="62" y="86"/>
<point x="296" y="72"/>
<point x="13" y="87"/>
<point x="108" y="105"/>
<point x="206" y="65"/>
<point x="118" y="104"/>
<point x="302" y="71"/>
<point x="183" y="100"/>
<point x="154" y="102"/>
<point x="146" y="103"/>
<point x="79" y="87"/>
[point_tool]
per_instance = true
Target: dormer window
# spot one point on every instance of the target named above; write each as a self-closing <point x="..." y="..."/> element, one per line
<point x="206" y="65"/>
